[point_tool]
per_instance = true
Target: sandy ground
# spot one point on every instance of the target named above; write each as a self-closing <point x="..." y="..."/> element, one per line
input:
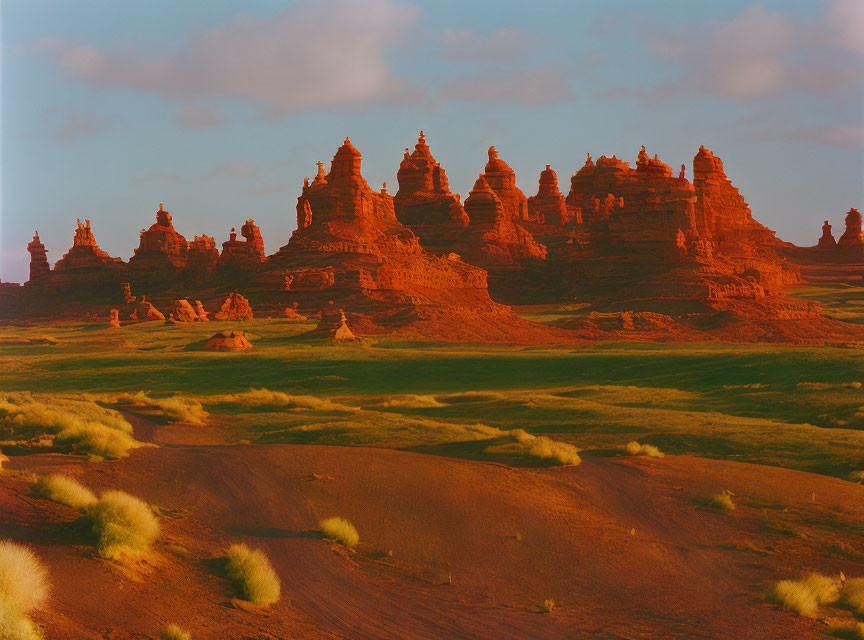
<point x="449" y="548"/>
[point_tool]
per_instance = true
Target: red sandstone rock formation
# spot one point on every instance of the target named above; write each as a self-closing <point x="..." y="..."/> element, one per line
<point x="243" y="255"/>
<point x="852" y="236"/>
<point x="228" y="341"/>
<point x="114" y="318"/>
<point x="161" y="254"/>
<point x="548" y="208"/>
<point x="85" y="252"/>
<point x="424" y="202"/>
<point x="200" y="312"/>
<point x="145" y="311"/>
<point x="38" y="258"/>
<point x="351" y="249"/>
<point x="334" y="325"/>
<point x="201" y="259"/>
<point x="183" y="311"/>
<point x="827" y="241"/>
<point x="234" y="307"/>
<point x="291" y="313"/>
<point x="502" y="179"/>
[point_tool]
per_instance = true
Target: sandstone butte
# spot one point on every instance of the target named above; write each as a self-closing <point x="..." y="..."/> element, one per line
<point x="684" y="256"/>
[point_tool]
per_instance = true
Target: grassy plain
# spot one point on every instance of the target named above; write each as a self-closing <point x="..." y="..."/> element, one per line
<point x="795" y="407"/>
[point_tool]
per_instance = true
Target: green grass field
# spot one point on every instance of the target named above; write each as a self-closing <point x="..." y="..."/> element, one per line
<point x="800" y="408"/>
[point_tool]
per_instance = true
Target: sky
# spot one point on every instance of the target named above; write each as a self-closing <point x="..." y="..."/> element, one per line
<point x="219" y="109"/>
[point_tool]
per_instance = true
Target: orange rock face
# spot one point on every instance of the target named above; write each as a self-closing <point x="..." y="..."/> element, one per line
<point x="201" y="260"/>
<point x="38" y="258"/>
<point x="548" y="208"/>
<point x="162" y="252"/>
<point x="826" y="240"/>
<point x="234" y="307"/>
<point x="228" y="341"/>
<point x="424" y="202"/>
<point x="243" y="255"/>
<point x="85" y="252"/>
<point x="852" y="236"/>
<point x="145" y="311"/>
<point x="352" y="250"/>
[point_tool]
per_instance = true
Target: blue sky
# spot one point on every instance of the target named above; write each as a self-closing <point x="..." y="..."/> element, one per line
<point x="111" y="107"/>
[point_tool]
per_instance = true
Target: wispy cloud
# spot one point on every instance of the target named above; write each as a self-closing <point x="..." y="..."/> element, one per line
<point x="190" y="116"/>
<point x="507" y="43"/>
<point x="530" y="88"/>
<point x="159" y="177"/>
<point x="316" y="53"/>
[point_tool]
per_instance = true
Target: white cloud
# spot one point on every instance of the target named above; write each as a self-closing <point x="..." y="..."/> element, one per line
<point x="316" y="53"/>
<point x="190" y="116"/>
<point x="840" y="136"/>
<point x="531" y="88"/>
<point x="845" y="19"/>
<point x="507" y="43"/>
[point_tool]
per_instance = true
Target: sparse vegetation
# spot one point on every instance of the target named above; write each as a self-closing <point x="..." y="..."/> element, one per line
<point x="65" y="490"/>
<point x="258" y="398"/>
<point x="174" y="632"/>
<point x="806" y="595"/>
<point x="254" y="577"/>
<point x="633" y="448"/>
<point x="548" y="605"/>
<point x="856" y="476"/>
<point x="23" y="588"/>
<point x="852" y="595"/>
<point x="64" y="422"/>
<point x="531" y="446"/>
<point x="847" y="631"/>
<point x="123" y="524"/>
<point x="721" y="501"/>
<point x="176" y="408"/>
<point x="340" y="530"/>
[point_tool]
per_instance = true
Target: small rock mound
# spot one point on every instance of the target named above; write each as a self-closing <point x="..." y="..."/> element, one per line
<point x="228" y="341"/>
<point x="334" y="325"/>
<point x="145" y="311"/>
<point x="183" y="311"/>
<point x="235" y="307"/>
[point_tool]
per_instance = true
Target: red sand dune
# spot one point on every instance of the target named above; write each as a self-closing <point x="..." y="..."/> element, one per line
<point x="508" y="538"/>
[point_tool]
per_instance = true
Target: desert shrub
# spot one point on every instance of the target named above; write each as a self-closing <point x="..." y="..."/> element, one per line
<point x="633" y="448"/>
<point x="174" y="632"/>
<point x="412" y="401"/>
<point x="531" y="446"/>
<point x="177" y="408"/>
<point x="340" y="530"/>
<point x="856" y="476"/>
<point x="256" y="398"/>
<point x="849" y="631"/>
<point x="804" y="596"/>
<point x="548" y="605"/>
<point x="75" y="423"/>
<point x="123" y="524"/>
<point x="23" y="587"/>
<point x="64" y="490"/>
<point x="251" y="572"/>
<point x="852" y="595"/>
<point x="722" y="502"/>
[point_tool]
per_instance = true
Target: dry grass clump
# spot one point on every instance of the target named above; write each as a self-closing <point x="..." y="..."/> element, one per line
<point x="806" y="595"/>
<point x="852" y="595"/>
<point x="177" y="408"/>
<point x="252" y="573"/>
<point x="548" y="605"/>
<point x="633" y="448"/>
<point x="123" y="524"/>
<point x="856" y="476"/>
<point x="849" y="631"/>
<point x="65" y="490"/>
<point x="340" y="530"/>
<point x="721" y="501"/>
<point x="412" y="401"/>
<point x="75" y="423"/>
<point x="23" y="587"/>
<point x="546" y="448"/>
<point x="174" y="632"/>
<point x="256" y="398"/>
